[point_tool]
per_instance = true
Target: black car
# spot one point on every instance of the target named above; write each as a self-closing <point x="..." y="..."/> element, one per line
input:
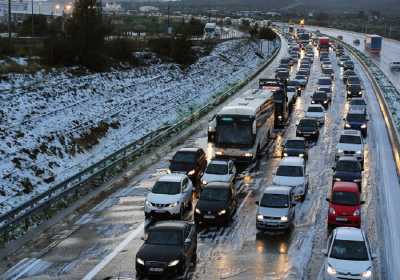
<point x="282" y="75"/>
<point x="168" y="251"/>
<point x="357" y="119"/>
<point x="348" y="169"/>
<point x="354" y="90"/>
<point x="348" y="65"/>
<point x="352" y="80"/>
<point x="320" y="97"/>
<point x="191" y="161"/>
<point x="296" y="85"/>
<point x="217" y="204"/>
<point x="308" y="128"/>
<point x="295" y="147"/>
<point x="348" y="73"/>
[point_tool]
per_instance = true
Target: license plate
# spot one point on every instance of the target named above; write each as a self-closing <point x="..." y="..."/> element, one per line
<point x="341" y="219"/>
<point x="209" y="217"/>
<point x="156" y="269"/>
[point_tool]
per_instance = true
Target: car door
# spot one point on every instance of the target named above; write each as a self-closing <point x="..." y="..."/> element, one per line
<point x="231" y="172"/>
<point x="186" y="191"/>
<point x="188" y="246"/>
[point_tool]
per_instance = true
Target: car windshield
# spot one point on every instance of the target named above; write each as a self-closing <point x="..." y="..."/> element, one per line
<point x="315" y="109"/>
<point x="290" y="171"/>
<point x="189" y="157"/>
<point x="357" y="102"/>
<point x="164" y="237"/>
<point x="349" y="250"/>
<point x="353" y="80"/>
<point x="350" y="139"/>
<point x="308" y="123"/>
<point x="356" y="117"/>
<point x="296" y="144"/>
<point x="324" y="82"/>
<point x="214" y="194"/>
<point x="170" y="188"/>
<point x="274" y="200"/>
<point x="355" y="87"/>
<point x="235" y="131"/>
<point x="349" y="73"/>
<point x="320" y="95"/>
<point x="217" y="169"/>
<point x="348" y="166"/>
<point x="345" y="198"/>
<point x="300" y="77"/>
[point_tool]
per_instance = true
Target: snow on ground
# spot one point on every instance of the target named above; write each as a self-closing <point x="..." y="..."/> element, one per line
<point x="54" y="124"/>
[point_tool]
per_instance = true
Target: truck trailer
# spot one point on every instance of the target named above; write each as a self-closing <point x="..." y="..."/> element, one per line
<point x="323" y="44"/>
<point x="373" y="43"/>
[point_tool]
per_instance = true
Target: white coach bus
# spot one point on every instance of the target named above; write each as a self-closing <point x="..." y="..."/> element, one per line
<point x="242" y="128"/>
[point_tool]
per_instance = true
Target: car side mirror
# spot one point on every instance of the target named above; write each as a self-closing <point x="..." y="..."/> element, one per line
<point x="328" y="199"/>
<point x="362" y="202"/>
<point x="324" y="251"/>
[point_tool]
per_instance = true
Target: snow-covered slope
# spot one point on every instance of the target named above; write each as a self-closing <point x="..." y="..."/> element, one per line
<point x="54" y="124"/>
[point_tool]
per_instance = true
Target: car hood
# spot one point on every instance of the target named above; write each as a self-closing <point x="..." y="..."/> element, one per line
<point x="207" y="205"/>
<point x="159" y="253"/>
<point x="163" y="198"/>
<point x="181" y="166"/>
<point x="344" y="210"/>
<point x="288" y="181"/>
<point x="273" y="212"/>
<point x="215" y="178"/>
<point x="348" y="147"/>
<point x="347" y="176"/>
<point x="353" y="267"/>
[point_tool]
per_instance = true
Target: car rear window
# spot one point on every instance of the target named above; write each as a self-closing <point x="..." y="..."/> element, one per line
<point x="325" y="82"/>
<point x="185" y="157"/>
<point x="217" y="169"/>
<point x="290" y="171"/>
<point x="345" y="198"/>
<point x="315" y="109"/>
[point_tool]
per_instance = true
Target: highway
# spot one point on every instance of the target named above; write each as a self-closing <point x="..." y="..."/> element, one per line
<point x="102" y="243"/>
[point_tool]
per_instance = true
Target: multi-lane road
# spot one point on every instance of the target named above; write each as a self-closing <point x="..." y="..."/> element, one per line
<point x="102" y="242"/>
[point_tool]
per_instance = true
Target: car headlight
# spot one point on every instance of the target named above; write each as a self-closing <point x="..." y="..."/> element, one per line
<point x="222" y="212"/>
<point x="219" y="153"/>
<point x="338" y="179"/>
<point x="340" y="151"/>
<point x="347" y="125"/>
<point x="285" y="154"/>
<point x="330" y="270"/>
<point x="173" y="263"/>
<point x="197" y="210"/>
<point x="191" y="172"/>
<point x="172" y="205"/>
<point x="357" y="180"/>
<point x="248" y="155"/>
<point x="260" y="217"/>
<point x="356" y="213"/>
<point x="364" y="126"/>
<point x="284" y="218"/>
<point x="148" y="203"/>
<point x="366" y="274"/>
<point x="332" y="211"/>
<point x="204" y="182"/>
<point x="301" y="155"/>
<point x="139" y="261"/>
<point x="312" y="101"/>
<point x="280" y="117"/>
<point x="325" y="101"/>
<point x="359" y="152"/>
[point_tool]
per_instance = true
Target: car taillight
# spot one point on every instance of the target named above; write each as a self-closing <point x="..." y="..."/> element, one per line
<point x="332" y="211"/>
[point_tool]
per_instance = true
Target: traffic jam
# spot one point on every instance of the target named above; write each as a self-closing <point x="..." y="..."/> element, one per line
<point x="201" y="193"/>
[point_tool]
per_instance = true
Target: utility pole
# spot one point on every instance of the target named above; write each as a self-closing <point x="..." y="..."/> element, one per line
<point x="9" y="20"/>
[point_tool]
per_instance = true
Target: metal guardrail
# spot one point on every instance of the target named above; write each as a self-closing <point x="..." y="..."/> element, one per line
<point x="387" y="96"/>
<point x="106" y="169"/>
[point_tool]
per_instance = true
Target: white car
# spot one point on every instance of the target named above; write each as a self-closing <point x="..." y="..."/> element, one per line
<point x="395" y="66"/>
<point x="350" y="144"/>
<point x="348" y="255"/>
<point x="219" y="171"/>
<point x="171" y="195"/>
<point x="316" y="111"/>
<point x="292" y="172"/>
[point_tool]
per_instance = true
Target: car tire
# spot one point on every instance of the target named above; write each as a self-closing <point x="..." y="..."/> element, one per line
<point x="194" y="257"/>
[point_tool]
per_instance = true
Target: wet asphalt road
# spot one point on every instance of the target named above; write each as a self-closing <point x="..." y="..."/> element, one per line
<point x="103" y="242"/>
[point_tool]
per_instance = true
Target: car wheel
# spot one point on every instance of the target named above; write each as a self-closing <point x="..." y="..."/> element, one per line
<point x="194" y="257"/>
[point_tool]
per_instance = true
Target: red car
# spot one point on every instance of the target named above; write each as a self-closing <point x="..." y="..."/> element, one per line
<point x="344" y="205"/>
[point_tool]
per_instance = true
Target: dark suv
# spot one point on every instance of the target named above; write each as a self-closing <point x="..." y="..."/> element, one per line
<point x="320" y="97"/>
<point x="357" y="119"/>
<point x="354" y="90"/>
<point x="295" y="147"/>
<point x="348" y="169"/>
<point x="191" y="161"/>
<point x="169" y="250"/>
<point x="308" y="128"/>
<point x="217" y="203"/>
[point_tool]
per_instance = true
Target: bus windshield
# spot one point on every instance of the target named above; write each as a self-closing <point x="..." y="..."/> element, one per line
<point x="234" y="131"/>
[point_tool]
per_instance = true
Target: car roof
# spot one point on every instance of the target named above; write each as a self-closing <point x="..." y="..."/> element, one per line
<point x="295" y="138"/>
<point x="173" y="177"/>
<point x="309" y="119"/>
<point x="351" y="132"/>
<point x="292" y="161"/>
<point x="219" y="161"/>
<point x="193" y="150"/>
<point x="316" y="105"/>
<point x="356" y="110"/>
<point x="357" y="99"/>
<point x="218" y="185"/>
<point x="345" y="186"/>
<point x="170" y="224"/>
<point x="276" y="189"/>
<point x="349" y="233"/>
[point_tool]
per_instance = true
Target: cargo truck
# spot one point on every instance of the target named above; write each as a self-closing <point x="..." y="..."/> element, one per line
<point x="323" y="44"/>
<point x="373" y="43"/>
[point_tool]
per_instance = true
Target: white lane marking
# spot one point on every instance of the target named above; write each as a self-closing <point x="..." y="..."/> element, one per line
<point x="114" y="253"/>
<point x="27" y="268"/>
